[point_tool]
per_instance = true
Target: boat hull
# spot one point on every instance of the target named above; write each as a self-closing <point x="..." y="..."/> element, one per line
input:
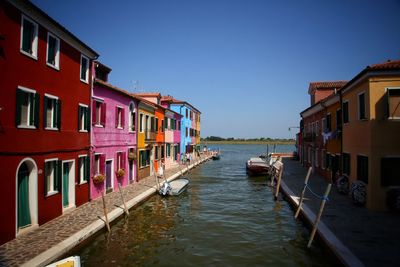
<point x="178" y="186"/>
<point x="256" y="167"/>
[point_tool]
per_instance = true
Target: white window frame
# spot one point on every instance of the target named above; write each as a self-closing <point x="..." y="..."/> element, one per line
<point x="50" y="182"/>
<point x="82" y="123"/>
<point x="96" y="163"/>
<point x="98" y="113"/>
<point x="57" y="57"/>
<point x="82" y="177"/>
<point x="54" y="112"/>
<point x="87" y="69"/>
<point x="365" y="106"/>
<point x="34" y="54"/>
<point x="387" y="92"/>
<point x="119" y="160"/>
<point x="27" y="126"/>
<point x="119" y="117"/>
<point x="132" y="112"/>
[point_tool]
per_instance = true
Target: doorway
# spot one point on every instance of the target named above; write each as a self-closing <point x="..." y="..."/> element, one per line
<point x="109" y="178"/>
<point x="68" y="184"/>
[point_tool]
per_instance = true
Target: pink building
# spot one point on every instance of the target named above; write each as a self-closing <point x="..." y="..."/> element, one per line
<point x="113" y="136"/>
<point x="172" y="138"/>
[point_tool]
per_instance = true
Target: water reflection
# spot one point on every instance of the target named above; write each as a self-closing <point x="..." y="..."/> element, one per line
<point x="224" y="219"/>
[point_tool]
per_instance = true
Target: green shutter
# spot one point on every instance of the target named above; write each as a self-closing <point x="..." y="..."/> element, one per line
<point x="45" y="103"/>
<point x="46" y="170"/>
<point x="79" y="117"/>
<point x="58" y="176"/>
<point x="36" y="110"/>
<point x="18" y="104"/>
<point x="58" y="114"/>
<point x="87" y="168"/>
<point x="87" y="119"/>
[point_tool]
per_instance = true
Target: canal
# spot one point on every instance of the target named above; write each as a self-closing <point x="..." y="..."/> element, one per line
<point x="224" y="219"/>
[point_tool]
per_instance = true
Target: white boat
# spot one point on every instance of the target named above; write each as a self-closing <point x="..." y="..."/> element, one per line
<point x="74" y="261"/>
<point x="174" y="188"/>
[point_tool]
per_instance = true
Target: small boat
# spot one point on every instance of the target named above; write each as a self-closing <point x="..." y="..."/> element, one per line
<point x="74" y="261"/>
<point x="174" y="188"/>
<point x="216" y="157"/>
<point x="257" y="166"/>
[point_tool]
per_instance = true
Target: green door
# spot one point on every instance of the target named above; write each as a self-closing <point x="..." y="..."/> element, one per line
<point x="24" y="215"/>
<point x="65" y="184"/>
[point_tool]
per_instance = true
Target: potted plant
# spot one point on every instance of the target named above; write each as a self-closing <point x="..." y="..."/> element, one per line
<point x="120" y="173"/>
<point x="132" y="156"/>
<point x="98" y="178"/>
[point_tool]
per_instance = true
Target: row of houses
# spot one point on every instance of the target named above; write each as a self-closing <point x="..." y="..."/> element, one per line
<point x="352" y="129"/>
<point x="68" y="135"/>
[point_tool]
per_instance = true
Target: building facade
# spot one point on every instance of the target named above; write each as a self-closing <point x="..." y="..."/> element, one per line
<point x="44" y="118"/>
<point x="113" y="135"/>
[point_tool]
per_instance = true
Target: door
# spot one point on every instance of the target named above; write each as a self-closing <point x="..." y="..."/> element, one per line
<point x="131" y="174"/>
<point x="152" y="161"/>
<point x="24" y="216"/>
<point x="65" y="184"/>
<point x="108" y="176"/>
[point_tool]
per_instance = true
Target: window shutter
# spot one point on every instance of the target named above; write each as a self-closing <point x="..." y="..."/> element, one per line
<point x="102" y="164"/>
<point x="123" y="160"/>
<point x="58" y="177"/>
<point x="36" y="108"/>
<point x="103" y="114"/>
<point x="58" y="114"/>
<point x="87" y="168"/>
<point x="94" y="112"/>
<point x="46" y="169"/>
<point x="18" y="104"/>
<point x="123" y="118"/>
<point x="79" y="117"/>
<point x="116" y="117"/>
<point x="87" y="119"/>
<point x="45" y="100"/>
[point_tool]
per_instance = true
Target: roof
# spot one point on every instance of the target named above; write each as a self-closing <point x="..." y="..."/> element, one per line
<point x="110" y="86"/>
<point x="389" y="67"/>
<point x="101" y="65"/>
<point x="25" y="5"/>
<point x="172" y="100"/>
<point x="153" y="94"/>
<point x="326" y="85"/>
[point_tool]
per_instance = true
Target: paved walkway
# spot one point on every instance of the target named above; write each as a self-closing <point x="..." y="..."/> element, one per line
<point x="373" y="237"/>
<point x="51" y="234"/>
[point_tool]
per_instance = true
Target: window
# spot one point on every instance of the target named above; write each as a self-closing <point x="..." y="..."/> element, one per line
<point x="328" y="123"/>
<point x="362" y="168"/>
<point x="27" y="108"/>
<point x="29" y="37"/>
<point x="345" y="111"/>
<point x="99" y="163"/>
<point x="52" y="172"/>
<point x="162" y="126"/>
<point x="323" y="159"/>
<point x="162" y="152"/>
<point x="323" y="124"/>
<point x="187" y="113"/>
<point x="132" y="117"/>
<point x="393" y="100"/>
<point x="99" y="113"/>
<point x="317" y="128"/>
<point x="346" y="163"/>
<point x="119" y="117"/>
<point x="84" y="170"/>
<point x="144" y="158"/>
<point x="191" y="115"/>
<point x="168" y="126"/>
<point x="328" y="161"/>
<point x="84" y="75"/>
<point x="168" y="150"/>
<point x="316" y="158"/>
<point x="186" y="132"/>
<point x="156" y="122"/>
<point x="338" y="119"/>
<point x="179" y="125"/>
<point x="121" y="160"/>
<point x="83" y="118"/>
<point x="152" y="124"/>
<point x="53" y="51"/>
<point x="361" y="106"/>
<point x="156" y="153"/>
<point x="52" y="112"/>
<point x="390" y="171"/>
<point x="141" y="122"/>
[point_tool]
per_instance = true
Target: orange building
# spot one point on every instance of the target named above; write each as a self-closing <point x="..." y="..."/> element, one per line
<point x="371" y="131"/>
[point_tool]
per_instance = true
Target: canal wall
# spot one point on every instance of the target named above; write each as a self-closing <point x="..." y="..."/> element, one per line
<point x="54" y="239"/>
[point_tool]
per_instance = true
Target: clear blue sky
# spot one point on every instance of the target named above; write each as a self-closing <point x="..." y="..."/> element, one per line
<point x="245" y="64"/>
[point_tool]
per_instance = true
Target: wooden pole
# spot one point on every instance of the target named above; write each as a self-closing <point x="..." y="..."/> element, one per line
<point x="279" y="182"/>
<point x="321" y="209"/>
<point x="303" y="192"/>
<point x="123" y="200"/>
<point x="105" y="212"/>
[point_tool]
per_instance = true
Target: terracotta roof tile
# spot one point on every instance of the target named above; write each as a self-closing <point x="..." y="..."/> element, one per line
<point x="327" y="84"/>
<point x="395" y="64"/>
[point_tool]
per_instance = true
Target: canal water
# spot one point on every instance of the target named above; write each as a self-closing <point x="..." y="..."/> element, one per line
<point x="225" y="218"/>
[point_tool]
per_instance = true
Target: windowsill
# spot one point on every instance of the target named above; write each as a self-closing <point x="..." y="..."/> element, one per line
<point x="364" y="119"/>
<point x="51" y="129"/>
<point x="393" y="118"/>
<point x="83" y="131"/>
<point x="82" y="183"/>
<point x="53" y="66"/>
<point x="84" y="81"/>
<point x="28" y="54"/>
<point x="26" y="127"/>
<point x="98" y="126"/>
<point x="51" y="193"/>
<point x="120" y="128"/>
<point x="132" y="132"/>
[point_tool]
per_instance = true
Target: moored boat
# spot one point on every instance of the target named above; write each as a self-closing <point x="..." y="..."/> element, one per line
<point x="257" y="166"/>
<point x="74" y="261"/>
<point x="174" y="188"/>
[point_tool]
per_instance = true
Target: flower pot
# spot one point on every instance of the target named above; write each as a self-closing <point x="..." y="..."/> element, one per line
<point x="98" y="178"/>
<point x="120" y="173"/>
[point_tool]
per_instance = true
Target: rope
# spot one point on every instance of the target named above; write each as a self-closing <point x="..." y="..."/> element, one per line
<point x="316" y="195"/>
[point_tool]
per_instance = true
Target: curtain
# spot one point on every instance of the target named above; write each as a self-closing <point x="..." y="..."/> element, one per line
<point x="24" y="217"/>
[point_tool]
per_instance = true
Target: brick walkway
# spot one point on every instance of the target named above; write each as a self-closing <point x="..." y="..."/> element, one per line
<point x="29" y="245"/>
<point x="373" y="237"/>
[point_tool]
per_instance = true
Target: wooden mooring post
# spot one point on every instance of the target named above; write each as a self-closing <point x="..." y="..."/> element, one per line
<point x="278" y="183"/>
<point x="123" y="200"/>
<point x="321" y="209"/>
<point x="303" y="192"/>
<point x="105" y="212"/>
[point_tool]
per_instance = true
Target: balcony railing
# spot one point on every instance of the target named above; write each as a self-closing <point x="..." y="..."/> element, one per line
<point x="149" y="135"/>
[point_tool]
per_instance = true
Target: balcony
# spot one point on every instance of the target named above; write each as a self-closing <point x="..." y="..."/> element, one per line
<point x="149" y="136"/>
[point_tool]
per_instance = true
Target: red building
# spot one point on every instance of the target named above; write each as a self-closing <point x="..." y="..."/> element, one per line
<point x="44" y="118"/>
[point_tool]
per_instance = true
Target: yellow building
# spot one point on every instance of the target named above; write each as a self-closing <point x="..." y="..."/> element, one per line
<point x="371" y="131"/>
<point x="146" y="138"/>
